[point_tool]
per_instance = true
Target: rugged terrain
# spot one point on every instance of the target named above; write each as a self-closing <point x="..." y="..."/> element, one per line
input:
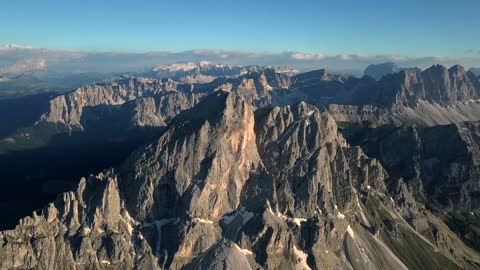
<point x="440" y="165"/>
<point x="250" y="170"/>
<point x="411" y="96"/>
<point x="225" y="186"/>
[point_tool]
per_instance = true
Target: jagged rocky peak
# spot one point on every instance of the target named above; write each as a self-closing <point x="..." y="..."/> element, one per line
<point x="68" y="108"/>
<point x="85" y="229"/>
<point x="133" y="101"/>
<point x="435" y="85"/>
<point x="305" y="143"/>
<point x="457" y="69"/>
<point x="211" y="145"/>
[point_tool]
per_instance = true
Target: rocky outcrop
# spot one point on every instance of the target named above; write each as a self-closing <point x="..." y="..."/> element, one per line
<point x="435" y="96"/>
<point x="68" y="109"/>
<point x="85" y="229"/>
<point x="201" y="165"/>
<point x="187" y="157"/>
<point x="436" y="85"/>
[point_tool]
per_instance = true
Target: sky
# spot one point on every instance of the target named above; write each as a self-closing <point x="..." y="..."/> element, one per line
<point x="343" y="36"/>
<point x="404" y="28"/>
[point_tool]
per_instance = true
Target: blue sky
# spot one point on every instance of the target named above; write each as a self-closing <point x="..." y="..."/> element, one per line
<point x="410" y="28"/>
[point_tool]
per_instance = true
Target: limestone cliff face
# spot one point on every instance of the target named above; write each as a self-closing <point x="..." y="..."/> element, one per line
<point x="225" y="187"/>
<point x="68" y="108"/>
<point x="195" y="173"/>
<point x="436" y="85"/>
<point x="85" y="229"/>
<point x="312" y="165"/>
<point x="202" y="150"/>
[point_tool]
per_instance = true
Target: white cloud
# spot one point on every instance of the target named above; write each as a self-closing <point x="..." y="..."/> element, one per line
<point x="308" y="56"/>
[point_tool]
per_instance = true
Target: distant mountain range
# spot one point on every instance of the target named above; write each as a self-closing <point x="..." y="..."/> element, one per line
<point x="408" y="96"/>
<point x="204" y="71"/>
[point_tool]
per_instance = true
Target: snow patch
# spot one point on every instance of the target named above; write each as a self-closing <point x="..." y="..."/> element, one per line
<point x="242" y="213"/>
<point x="105" y="262"/>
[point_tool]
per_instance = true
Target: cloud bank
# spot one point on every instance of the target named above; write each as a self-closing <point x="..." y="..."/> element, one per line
<point x="19" y="57"/>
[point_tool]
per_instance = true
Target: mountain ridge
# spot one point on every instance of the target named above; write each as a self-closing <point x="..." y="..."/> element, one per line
<point x="275" y="188"/>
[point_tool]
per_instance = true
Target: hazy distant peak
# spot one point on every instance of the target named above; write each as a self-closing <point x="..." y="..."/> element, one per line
<point x="185" y="66"/>
<point x="377" y="71"/>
